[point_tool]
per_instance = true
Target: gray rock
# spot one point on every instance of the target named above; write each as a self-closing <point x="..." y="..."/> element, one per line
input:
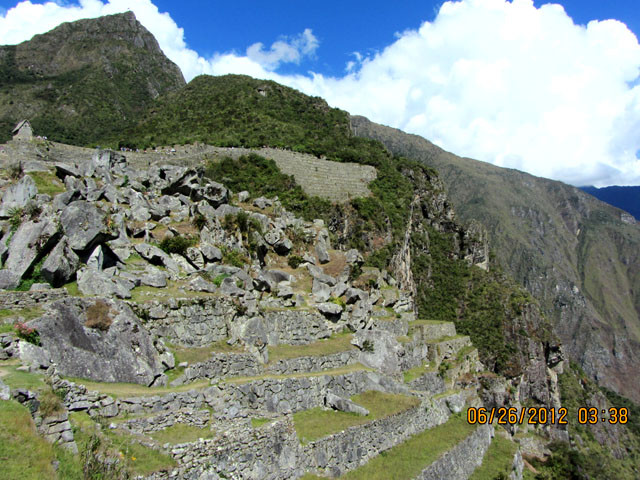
<point x="329" y="309"/>
<point x="18" y="195"/>
<point x="109" y="161"/>
<point x="38" y="287"/>
<point x="199" y="284"/>
<point x="379" y="349"/>
<point x="183" y="263"/>
<point x="30" y="239"/>
<point x="194" y="255"/>
<point x="353" y="256"/>
<point x="61" y="264"/>
<point x="116" y="349"/>
<point x="96" y="259"/>
<point x="224" y="210"/>
<point x="262" y="203"/>
<point x="93" y="282"/>
<point x="344" y="404"/>
<point x="243" y="196"/>
<point x="211" y="253"/>
<point x="85" y="225"/>
<point x="389" y="297"/>
<point x="229" y="287"/>
<point x="320" y="291"/>
<point x="285" y="291"/>
<point x="339" y="290"/>
<point x="156" y="256"/>
<point x="154" y="277"/>
<point x="318" y="274"/>
<point x="8" y="280"/>
<point x="322" y="246"/>
<point x="5" y="391"/>
<point x="214" y="193"/>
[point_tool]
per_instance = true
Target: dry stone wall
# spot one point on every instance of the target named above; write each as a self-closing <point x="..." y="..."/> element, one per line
<point x="351" y="448"/>
<point x="12" y="300"/>
<point x="460" y="462"/>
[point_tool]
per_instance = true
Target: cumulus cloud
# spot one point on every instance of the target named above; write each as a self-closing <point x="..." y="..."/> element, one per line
<point x="501" y="81"/>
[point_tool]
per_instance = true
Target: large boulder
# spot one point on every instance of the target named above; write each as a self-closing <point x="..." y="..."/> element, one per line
<point x="18" y="195"/>
<point x="93" y="282"/>
<point x="61" y="264"/>
<point x="8" y="280"/>
<point x="98" y="339"/>
<point x="85" y="225"/>
<point x="155" y="256"/>
<point x="28" y="243"/>
<point x="336" y="402"/>
<point x="379" y="349"/>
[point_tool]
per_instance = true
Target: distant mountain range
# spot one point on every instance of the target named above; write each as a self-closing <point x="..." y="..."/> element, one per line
<point x="625" y="198"/>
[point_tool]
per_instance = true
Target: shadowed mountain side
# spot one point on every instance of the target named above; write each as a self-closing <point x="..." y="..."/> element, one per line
<point x="574" y="253"/>
<point x="626" y="198"/>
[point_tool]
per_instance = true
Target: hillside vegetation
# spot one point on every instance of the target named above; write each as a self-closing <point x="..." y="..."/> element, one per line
<point x="84" y="82"/>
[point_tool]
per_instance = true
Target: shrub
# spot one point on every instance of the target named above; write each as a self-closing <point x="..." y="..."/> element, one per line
<point x="15" y="170"/>
<point x="218" y="280"/>
<point x="368" y="346"/>
<point x="99" y="316"/>
<point x="199" y="221"/>
<point x="15" y="217"/>
<point x="177" y="244"/>
<point x="50" y="404"/>
<point x="294" y="261"/>
<point x="27" y="333"/>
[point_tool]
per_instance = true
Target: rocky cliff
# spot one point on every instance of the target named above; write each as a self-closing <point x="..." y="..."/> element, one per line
<point x="575" y="254"/>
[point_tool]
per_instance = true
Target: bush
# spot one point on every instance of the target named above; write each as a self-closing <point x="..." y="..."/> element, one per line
<point x="99" y="316"/>
<point x="27" y="333"/>
<point x="199" y="221"/>
<point x="218" y="280"/>
<point x="294" y="261"/>
<point x="368" y="346"/>
<point x="15" y="217"/>
<point x="50" y="404"/>
<point x="177" y="244"/>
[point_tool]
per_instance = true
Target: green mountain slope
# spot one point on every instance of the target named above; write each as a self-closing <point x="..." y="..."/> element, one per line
<point x="572" y="252"/>
<point x="84" y="81"/>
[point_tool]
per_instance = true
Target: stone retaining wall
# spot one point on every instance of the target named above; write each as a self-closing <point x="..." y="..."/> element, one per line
<point x="222" y="365"/>
<point x="460" y="462"/>
<point x="12" y="300"/>
<point x="355" y="446"/>
<point x="198" y="322"/>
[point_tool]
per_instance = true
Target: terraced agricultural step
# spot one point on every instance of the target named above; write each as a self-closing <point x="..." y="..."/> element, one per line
<point x="426" y="330"/>
<point x="447" y="348"/>
<point x="340" y="452"/>
<point x="449" y="451"/>
<point x="327" y="354"/>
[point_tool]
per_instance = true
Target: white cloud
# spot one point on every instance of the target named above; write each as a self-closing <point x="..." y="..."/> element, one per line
<point x="500" y="81"/>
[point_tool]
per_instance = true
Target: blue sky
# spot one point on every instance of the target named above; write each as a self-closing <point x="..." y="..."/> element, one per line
<point x="552" y="90"/>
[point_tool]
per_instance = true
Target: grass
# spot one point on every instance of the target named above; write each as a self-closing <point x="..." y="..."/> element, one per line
<point x="18" y="379"/>
<point x="118" y="390"/>
<point x="336" y="371"/>
<point x="317" y="422"/>
<point x="497" y="461"/>
<point x="137" y="459"/>
<point x="416" y="372"/>
<point x="26" y="455"/>
<point x="202" y="354"/>
<point x="260" y="421"/>
<point x="173" y="289"/>
<point x="181" y="433"/>
<point x="47" y="183"/>
<point x="28" y="313"/>
<point x="407" y="460"/>
<point x="73" y="290"/>
<point x="337" y="343"/>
